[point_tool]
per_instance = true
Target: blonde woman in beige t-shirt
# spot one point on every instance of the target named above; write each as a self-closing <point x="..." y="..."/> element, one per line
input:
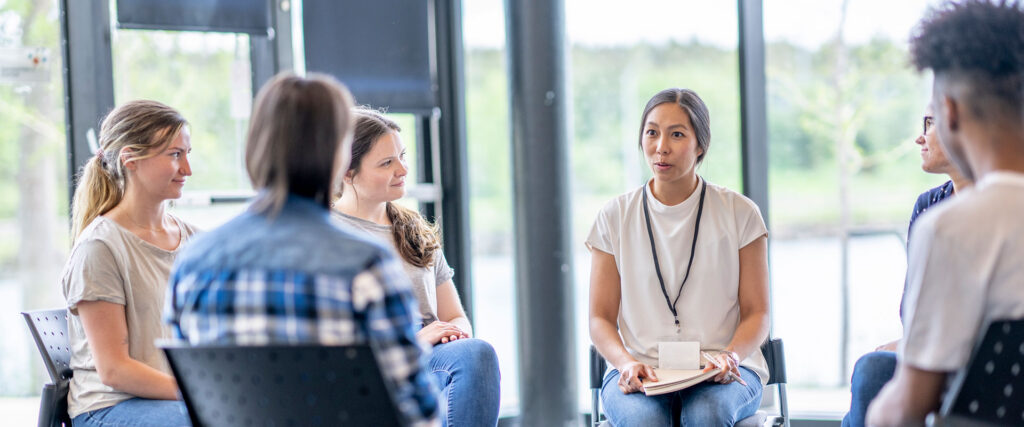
<point x="116" y="277"/>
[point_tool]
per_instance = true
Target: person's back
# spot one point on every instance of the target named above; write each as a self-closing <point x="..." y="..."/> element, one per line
<point x="980" y="236"/>
<point x="281" y="272"/>
<point x="295" y="267"/>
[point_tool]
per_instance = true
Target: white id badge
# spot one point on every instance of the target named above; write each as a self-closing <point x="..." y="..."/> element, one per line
<point x="679" y="355"/>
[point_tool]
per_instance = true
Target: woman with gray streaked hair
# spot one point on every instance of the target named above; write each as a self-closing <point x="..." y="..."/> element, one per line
<point x="679" y="260"/>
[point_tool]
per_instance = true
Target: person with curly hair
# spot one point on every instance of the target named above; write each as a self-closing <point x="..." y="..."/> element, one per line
<point x="964" y="265"/>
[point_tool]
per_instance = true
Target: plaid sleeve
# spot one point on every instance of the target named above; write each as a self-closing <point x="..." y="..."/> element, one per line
<point x="384" y="290"/>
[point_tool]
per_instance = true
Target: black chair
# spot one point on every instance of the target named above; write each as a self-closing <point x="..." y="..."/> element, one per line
<point x="773" y="355"/>
<point x="282" y="385"/>
<point x="49" y="329"/>
<point x="989" y="391"/>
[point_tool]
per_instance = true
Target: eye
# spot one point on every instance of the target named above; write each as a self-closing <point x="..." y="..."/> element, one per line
<point x="650" y="132"/>
<point x="677" y="134"/>
<point x="176" y="154"/>
<point x="386" y="163"/>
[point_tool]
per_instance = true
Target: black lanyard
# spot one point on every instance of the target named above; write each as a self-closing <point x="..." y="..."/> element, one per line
<point x="693" y="247"/>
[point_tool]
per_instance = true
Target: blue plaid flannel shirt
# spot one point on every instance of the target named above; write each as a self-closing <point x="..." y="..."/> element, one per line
<point x="297" y="278"/>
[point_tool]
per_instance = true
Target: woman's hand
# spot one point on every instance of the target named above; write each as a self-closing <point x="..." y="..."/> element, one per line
<point x="725" y="363"/>
<point x="631" y="376"/>
<point x="438" y="332"/>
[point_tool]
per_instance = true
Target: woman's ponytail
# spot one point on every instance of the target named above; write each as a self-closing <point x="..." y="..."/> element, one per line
<point x="97" y="192"/>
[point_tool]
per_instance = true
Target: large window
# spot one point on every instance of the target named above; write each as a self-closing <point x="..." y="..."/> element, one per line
<point x="33" y="192"/>
<point x="844" y="107"/>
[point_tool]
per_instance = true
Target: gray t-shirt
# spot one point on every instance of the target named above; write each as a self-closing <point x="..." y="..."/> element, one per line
<point x="424" y="279"/>
<point x="110" y="263"/>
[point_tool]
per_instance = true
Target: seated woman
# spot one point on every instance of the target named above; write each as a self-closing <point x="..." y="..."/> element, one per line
<point x="282" y="272"/>
<point x="115" y="280"/>
<point x="679" y="259"/>
<point x="466" y="368"/>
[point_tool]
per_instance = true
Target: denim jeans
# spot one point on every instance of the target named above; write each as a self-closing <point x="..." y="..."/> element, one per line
<point x="137" y="412"/>
<point x="705" y="404"/>
<point x="870" y="374"/>
<point x="467" y="371"/>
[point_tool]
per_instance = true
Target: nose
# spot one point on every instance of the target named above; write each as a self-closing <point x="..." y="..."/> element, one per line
<point x="403" y="169"/>
<point x="185" y="168"/>
<point x="919" y="140"/>
<point x="661" y="145"/>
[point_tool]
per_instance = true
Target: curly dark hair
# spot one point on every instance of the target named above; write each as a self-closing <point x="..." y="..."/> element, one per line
<point x="974" y="35"/>
<point x="979" y="41"/>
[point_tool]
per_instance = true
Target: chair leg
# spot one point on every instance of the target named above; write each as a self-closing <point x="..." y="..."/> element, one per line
<point x="595" y="407"/>
<point x="783" y="405"/>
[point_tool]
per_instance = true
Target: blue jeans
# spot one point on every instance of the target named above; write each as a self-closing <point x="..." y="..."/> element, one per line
<point x="467" y="371"/>
<point x="870" y="374"/>
<point x="137" y="412"/>
<point x="705" y="404"/>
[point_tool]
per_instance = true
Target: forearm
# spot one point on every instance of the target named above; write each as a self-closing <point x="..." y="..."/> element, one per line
<point x="138" y="379"/>
<point x="605" y="337"/>
<point x="750" y="333"/>
<point x="463" y="323"/>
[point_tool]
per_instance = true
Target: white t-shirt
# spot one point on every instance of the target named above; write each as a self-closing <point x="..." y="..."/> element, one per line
<point x="708" y="308"/>
<point x="109" y="263"/>
<point x="966" y="267"/>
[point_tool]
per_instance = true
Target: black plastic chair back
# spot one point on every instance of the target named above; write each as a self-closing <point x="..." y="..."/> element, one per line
<point x="49" y="329"/>
<point x="302" y="385"/>
<point x="991" y="388"/>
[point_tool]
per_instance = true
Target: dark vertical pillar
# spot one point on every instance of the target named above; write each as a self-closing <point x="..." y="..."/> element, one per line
<point x="88" y="76"/>
<point x="544" y="280"/>
<point x="753" y="101"/>
<point x="272" y="53"/>
<point x="452" y="145"/>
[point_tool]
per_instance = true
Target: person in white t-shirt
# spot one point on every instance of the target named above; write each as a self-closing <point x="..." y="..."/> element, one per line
<point x="964" y="267"/>
<point x="679" y="259"/>
<point x="115" y="279"/>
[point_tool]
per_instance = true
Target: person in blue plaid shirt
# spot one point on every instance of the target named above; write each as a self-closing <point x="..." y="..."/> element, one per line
<point x="282" y="272"/>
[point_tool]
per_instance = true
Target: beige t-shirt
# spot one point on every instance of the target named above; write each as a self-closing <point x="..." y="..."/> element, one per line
<point x="110" y="263"/>
<point x="709" y="309"/>
<point x="425" y="280"/>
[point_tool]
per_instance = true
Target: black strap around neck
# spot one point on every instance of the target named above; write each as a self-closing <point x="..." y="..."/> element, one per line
<point x="693" y="246"/>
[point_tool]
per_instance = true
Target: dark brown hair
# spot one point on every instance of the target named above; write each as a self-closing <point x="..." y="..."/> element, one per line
<point x="416" y="239"/>
<point x="298" y="134"/>
<point x="694" y="107"/>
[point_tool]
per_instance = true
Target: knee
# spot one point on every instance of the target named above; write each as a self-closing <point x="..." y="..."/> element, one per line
<point x="478" y="356"/>
<point x="870" y="374"/>
<point x="874" y="367"/>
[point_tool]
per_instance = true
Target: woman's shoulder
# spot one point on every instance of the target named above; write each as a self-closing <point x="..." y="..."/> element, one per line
<point x="730" y="199"/>
<point x="623" y="202"/>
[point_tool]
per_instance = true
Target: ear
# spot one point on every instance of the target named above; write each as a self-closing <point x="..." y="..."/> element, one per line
<point x="950" y="113"/>
<point x="349" y="174"/>
<point x="125" y="158"/>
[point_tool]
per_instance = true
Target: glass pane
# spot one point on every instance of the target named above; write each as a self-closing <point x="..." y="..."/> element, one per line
<point x="33" y="193"/>
<point x="207" y="77"/>
<point x="619" y="61"/>
<point x="843" y="112"/>
<point x="490" y="188"/>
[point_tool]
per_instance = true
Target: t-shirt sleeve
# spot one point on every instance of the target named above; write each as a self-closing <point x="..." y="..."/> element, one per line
<point x="944" y="302"/>
<point x="749" y="224"/>
<point x="604" y="234"/>
<point x="92" y="274"/>
<point x="442" y="271"/>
